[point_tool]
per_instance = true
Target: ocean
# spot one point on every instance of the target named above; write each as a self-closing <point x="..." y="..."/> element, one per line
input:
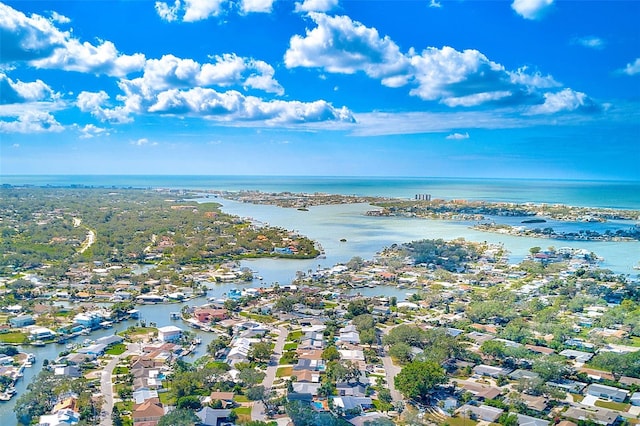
<point x="589" y="193"/>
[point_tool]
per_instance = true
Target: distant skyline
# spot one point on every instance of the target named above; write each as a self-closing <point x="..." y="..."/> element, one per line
<point x="493" y="89"/>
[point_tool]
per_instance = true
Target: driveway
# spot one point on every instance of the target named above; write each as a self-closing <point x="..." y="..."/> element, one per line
<point x="257" y="410"/>
<point x="106" y="384"/>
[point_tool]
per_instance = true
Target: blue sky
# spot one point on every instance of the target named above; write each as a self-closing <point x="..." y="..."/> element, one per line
<point x="524" y="88"/>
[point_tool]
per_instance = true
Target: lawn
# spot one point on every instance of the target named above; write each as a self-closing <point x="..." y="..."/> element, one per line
<point x="244" y="414"/>
<point x="13" y="337"/>
<point x="117" y="349"/>
<point x="120" y="370"/>
<point x="290" y="346"/>
<point x="284" y="371"/>
<point x="258" y="317"/>
<point x="294" y="335"/>
<point x="166" y="398"/>
<point x="612" y="405"/>
<point x="460" y="421"/>
<point x="240" y="398"/>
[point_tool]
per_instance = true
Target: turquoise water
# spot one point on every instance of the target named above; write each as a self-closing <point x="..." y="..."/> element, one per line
<point x="614" y="194"/>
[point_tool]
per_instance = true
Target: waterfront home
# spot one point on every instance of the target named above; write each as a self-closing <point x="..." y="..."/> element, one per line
<point x="169" y="333"/>
<point x="62" y="417"/>
<point x="40" y="333"/>
<point x="207" y="314"/>
<point x="21" y="321"/>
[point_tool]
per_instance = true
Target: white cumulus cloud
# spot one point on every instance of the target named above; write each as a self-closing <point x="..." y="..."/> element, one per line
<point x="36" y="40"/>
<point x="60" y="19"/>
<point x="257" y="6"/>
<point x="531" y="9"/>
<point x="566" y="100"/>
<point x="94" y="103"/>
<point x="225" y="70"/>
<point x="340" y="45"/>
<point x="458" y="136"/>
<point x="337" y="44"/>
<point x="316" y="5"/>
<point x="233" y="106"/>
<point x="32" y="122"/>
<point x="89" y="131"/>
<point x="632" y="68"/>
<point x="18" y="91"/>
<point x="591" y="42"/>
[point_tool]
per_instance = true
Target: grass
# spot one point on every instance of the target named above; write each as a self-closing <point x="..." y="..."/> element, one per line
<point x="166" y="398"/>
<point x="124" y="405"/>
<point x="577" y="398"/>
<point x="240" y="398"/>
<point x="294" y="335"/>
<point x="117" y="349"/>
<point x="284" y="371"/>
<point x="460" y="421"/>
<point x="290" y="346"/>
<point x="244" y="414"/>
<point x="13" y="337"/>
<point x="258" y="317"/>
<point x="120" y="370"/>
<point x="612" y="405"/>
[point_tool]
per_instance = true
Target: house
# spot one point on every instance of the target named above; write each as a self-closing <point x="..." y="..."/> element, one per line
<point x="578" y="356"/>
<point x="142" y="394"/>
<point x="482" y="412"/>
<point x="21" y="321"/>
<point x="635" y="399"/>
<point x="607" y="392"/>
<point x="110" y="340"/>
<point x="41" y="333"/>
<point x="309" y="364"/>
<point x="209" y="314"/>
<point x="62" y="417"/>
<point x="353" y="402"/>
<point x="350" y="389"/>
<point x="598" y="415"/>
<point x="169" y="333"/>
<point x="307" y="376"/>
<point x="523" y="374"/>
<point x="211" y="417"/>
<point x="306" y="388"/>
<point x="69" y="371"/>
<point x="147" y="411"/>
<point x="487" y="370"/>
<point x="530" y="421"/>
<point x="225" y="397"/>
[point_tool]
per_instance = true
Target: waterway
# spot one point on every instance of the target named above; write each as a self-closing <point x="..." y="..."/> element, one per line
<point x="344" y="231"/>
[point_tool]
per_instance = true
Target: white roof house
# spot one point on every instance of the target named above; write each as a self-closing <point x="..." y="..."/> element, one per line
<point x="169" y="333"/>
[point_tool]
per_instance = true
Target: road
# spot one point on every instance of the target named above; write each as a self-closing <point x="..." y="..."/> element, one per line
<point x="390" y="369"/>
<point x="106" y="384"/>
<point x="257" y="410"/>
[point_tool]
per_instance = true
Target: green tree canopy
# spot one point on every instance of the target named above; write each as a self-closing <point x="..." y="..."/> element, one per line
<point x="418" y="378"/>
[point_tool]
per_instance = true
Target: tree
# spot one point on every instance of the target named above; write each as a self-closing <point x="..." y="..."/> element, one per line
<point x="508" y="419"/>
<point x="401" y="351"/>
<point x="256" y="393"/>
<point x="418" y="378"/>
<point x="260" y="351"/>
<point x="191" y="402"/>
<point x="331" y="353"/>
<point x="179" y="417"/>
<point x="358" y="307"/>
<point x="384" y="395"/>
<point x="493" y="348"/>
